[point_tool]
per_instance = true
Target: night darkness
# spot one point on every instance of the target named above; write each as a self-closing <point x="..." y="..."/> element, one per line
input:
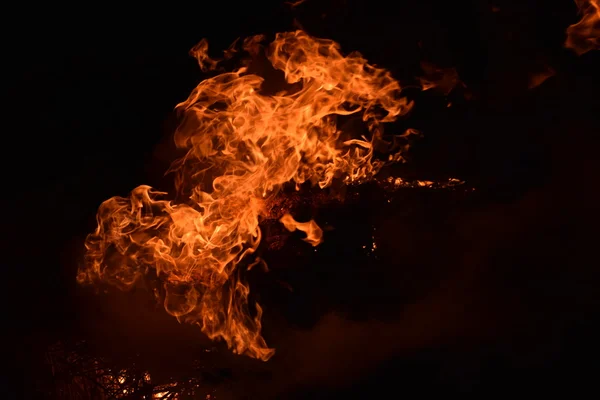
<point x="492" y="291"/>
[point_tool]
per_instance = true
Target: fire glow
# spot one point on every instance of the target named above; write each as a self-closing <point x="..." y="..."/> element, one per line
<point x="242" y="147"/>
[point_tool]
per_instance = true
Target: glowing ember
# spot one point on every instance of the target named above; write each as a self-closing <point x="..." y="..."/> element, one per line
<point x="585" y="34"/>
<point x="392" y="183"/>
<point x="242" y="147"/>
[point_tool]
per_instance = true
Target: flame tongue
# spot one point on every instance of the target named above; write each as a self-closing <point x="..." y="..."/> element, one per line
<point x="248" y="145"/>
<point x="585" y="34"/>
<point x="314" y="234"/>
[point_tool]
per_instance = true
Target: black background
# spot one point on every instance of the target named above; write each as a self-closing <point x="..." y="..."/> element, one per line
<point x="492" y="291"/>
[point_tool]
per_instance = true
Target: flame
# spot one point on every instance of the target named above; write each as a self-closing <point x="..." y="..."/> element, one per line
<point x="585" y="34"/>
<point x="294" y="4"/>
<point x="540" y="77"/>
<point x="443" y="80"/>
<point x="314" y="234"/>
<point x="243" y="145"/>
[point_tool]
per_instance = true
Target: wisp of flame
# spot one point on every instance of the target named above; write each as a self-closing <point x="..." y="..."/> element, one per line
<point x="584" y="36"/>
<point x="242" y="147"/>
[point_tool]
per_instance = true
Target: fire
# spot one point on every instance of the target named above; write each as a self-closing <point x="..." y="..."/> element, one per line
<point x="585" y="34"/>
<point x="441" y="79"/>
<point x="540" y="77"/>
<point x="314" y="234"/>
<point x="243" y="145"/>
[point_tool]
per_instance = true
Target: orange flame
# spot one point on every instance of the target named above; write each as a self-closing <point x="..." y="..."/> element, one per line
<point x="585" y="34"/>
<point x="443" y="80"/>
<point x="540" y="77"/>
<point x="314" y="234"/>
<point x="294" y="4"/>
<point x="242" y="146"/>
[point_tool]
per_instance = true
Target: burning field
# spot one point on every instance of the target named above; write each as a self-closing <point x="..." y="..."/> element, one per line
<point x="326" y="216"/>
